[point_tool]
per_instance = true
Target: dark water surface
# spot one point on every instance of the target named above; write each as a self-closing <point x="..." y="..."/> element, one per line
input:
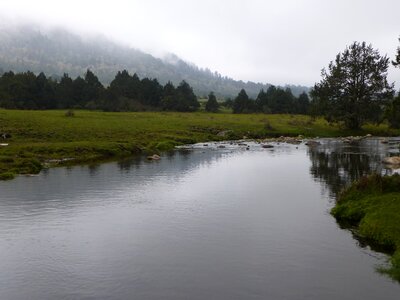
<point x="204" y="224"/>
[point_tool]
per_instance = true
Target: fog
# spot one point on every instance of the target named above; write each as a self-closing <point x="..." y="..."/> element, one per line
<point x="282" y="42"/>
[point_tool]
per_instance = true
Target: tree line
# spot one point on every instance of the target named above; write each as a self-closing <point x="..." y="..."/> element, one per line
<point x="125" y="93"/>
<point x="130" y="93"/>
<point x="274" y="101"/>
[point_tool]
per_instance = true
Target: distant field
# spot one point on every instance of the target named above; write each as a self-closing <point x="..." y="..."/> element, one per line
<point x="38" y="136"/>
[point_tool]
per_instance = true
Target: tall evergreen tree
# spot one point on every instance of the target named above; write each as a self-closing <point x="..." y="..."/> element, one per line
<point x="44" y="93"/>
<point x="79" y="92"/>
<point x="242" y="103"/>
<point x="93" y="87"/>
<point x="150" y="93"/>
<point x="212" y="104"/>
<point x="65" y="92"/>
<point x="186" y="99"/>
<point x="169" y="101"/>
<point x="303" y="104"/>
<point x="262" y="102"/>
<point x="354" y="88"/>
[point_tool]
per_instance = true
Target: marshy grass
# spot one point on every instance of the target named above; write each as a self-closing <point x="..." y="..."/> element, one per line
<point x="372" y="206"/>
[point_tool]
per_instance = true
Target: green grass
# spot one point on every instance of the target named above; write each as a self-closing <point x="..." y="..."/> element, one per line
<point x="39" y="136"/>
<point x="372" y="206"/>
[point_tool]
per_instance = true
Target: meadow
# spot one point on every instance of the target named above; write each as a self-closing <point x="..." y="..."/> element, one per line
<point x="53" y="137"/>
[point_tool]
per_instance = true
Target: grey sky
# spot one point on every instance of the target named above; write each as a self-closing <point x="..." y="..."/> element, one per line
<point x="285" y="41"/>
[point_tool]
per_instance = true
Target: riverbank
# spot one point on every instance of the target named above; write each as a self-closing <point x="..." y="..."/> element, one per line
<point x="372" y="207"/>
<point x="38" y="139"/>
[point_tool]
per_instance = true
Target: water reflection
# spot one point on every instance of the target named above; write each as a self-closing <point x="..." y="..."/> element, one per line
<point x="93" y="169"/>
<point x="215" y="223"/>
<point x="129" y="164"/>
<point x="337" y="164"/>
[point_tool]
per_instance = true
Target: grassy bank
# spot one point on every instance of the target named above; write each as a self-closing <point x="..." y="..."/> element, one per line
<point x="40" y="138"/>
<point x="372" y="207"/>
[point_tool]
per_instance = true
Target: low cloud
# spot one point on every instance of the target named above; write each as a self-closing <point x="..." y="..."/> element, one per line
<point x="265" y="41"/>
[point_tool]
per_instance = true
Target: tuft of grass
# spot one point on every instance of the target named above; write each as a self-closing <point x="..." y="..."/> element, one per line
<point x="162" y="146"/>
<point x="29" y="166"/>
<point x="372" y="206"/>
<point x="267" y="125"/>
<point x="70" y="113"/>
<point x="7" y="176"/>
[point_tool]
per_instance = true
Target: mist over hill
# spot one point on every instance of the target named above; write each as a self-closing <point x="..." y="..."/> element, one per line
<point x="58" y="51"/>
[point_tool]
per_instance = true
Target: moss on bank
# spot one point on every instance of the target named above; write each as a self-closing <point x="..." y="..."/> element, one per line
<point x="372" y="206"/>
<point x="51" y="138"/>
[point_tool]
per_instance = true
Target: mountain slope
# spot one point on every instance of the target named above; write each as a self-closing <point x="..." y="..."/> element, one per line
<point x="58" y="51"/>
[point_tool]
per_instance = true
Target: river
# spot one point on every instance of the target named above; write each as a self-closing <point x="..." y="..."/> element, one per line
<point x="204" y="223"/>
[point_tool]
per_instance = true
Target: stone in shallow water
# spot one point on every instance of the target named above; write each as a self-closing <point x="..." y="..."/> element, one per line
<point x="267" y="146"/>
<point x="313" y="143"/>
<point x="153" y="157"/>
<point x="393" y="160"/>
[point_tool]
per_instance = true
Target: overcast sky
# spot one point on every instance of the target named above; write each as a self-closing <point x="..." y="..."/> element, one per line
<point x="282" y="41"/>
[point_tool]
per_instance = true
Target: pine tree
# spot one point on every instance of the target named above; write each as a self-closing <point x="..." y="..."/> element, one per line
<point x="242" y="103"/>
<point x="354" y="88"/>
<point x="212" y="104"/>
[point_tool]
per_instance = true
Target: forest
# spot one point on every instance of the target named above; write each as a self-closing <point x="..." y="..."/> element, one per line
<point x="128" y="92"/>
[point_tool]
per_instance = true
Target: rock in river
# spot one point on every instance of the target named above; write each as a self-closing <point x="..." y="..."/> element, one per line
<point x="153" y="157"/>
<point x="313" y="143"/>
<point x="267" y="146"/>
<point x="393" y="160"/>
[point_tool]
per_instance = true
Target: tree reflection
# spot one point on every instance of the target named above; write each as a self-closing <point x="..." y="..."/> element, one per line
<point x="93" y="169"/>
<point x="129" y="163"/>
<point x="337" y="164"/>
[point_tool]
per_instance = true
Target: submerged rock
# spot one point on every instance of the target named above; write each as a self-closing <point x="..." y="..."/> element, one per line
<point x="294" y="141"/>
<point x="153" y="157"/>
<point x="352" y="139"/>
<point x="289" y="140"/>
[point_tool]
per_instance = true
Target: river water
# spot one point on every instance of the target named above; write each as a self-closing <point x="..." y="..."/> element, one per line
<point x="205" y="223"/>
